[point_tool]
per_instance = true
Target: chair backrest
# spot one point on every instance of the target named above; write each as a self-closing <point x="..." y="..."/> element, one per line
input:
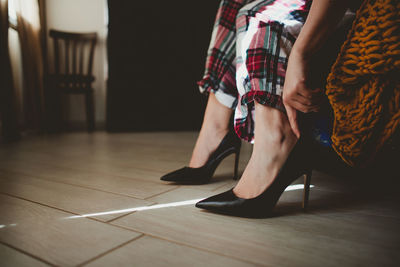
<point x="73" y="52"/>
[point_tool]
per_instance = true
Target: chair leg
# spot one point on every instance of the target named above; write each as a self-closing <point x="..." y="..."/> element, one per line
<point x="64" y="111"/>
<point x="90" y="111"/>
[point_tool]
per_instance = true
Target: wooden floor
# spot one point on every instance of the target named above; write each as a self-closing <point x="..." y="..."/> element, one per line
<point x="96" y="200"/>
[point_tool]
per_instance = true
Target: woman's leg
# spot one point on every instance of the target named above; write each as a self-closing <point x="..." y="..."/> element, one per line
<point x="273" y="141"/>
<point x="215" y="126"/>
<point x="219" y="82"/>
<point x="266" y="33"/>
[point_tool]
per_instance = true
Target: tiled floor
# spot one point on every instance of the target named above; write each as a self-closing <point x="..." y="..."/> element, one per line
<point x="80" y="199"/>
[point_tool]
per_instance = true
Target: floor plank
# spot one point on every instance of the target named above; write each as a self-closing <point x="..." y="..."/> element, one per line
<point x="114" y="154"/>
<point x="150" y="251"/>
<point x="12" y="257"/>
<point x="183" y="193"/>
<point x="139" y="188"/>
<point x="47" y="234"/>
<point x="289" y="240"/>
<point x="66" y="197"/>
<point x="96" y="174"/>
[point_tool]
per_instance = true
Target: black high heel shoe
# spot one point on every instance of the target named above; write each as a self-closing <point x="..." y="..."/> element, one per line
<point x="230" y="144"/>
<point x="262" y="205"/>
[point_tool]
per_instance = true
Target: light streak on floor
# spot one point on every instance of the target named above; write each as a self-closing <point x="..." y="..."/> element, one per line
<point x="166" y="205"/>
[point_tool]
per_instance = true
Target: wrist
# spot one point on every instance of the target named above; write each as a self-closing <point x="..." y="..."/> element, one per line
<point x="301" y="52"/>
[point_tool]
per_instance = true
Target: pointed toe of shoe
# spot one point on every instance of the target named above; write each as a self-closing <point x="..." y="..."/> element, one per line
<point x="220" y="202"/>
<point x="228" y="203"/>
<point x="207" y="204"/>
<point x="175" y="176"/>
<point x="188" y="175"/>
<point x="167" y="178"/>
<point x="200" y="205"/>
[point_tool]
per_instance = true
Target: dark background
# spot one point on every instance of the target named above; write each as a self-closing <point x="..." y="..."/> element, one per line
<point x="156" y="54"/>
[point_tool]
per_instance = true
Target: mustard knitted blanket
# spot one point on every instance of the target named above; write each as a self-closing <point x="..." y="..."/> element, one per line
<point x="363" y="86"/>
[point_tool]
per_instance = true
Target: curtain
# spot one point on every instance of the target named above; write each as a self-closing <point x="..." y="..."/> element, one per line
<point x="8" y="114"/>
<point x="30" y="36"/>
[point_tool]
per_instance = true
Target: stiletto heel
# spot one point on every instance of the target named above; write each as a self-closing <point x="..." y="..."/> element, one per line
<point x="263" y="205"/>
<point x="230" y="144"/>
<point x="306" y="191"/>
<point x="235" y="172"/>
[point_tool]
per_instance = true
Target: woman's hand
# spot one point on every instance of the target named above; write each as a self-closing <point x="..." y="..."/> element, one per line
<point x="321" y="21"/>
<point x="296" y="94"/>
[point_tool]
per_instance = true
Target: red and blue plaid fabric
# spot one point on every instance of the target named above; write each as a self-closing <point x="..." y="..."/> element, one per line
<point x="248" y="55"/>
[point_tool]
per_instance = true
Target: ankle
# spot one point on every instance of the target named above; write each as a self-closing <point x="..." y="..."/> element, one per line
<point x="272" y="128"/>
<point x="214" y="129"/>
<point x="206" y="143"/>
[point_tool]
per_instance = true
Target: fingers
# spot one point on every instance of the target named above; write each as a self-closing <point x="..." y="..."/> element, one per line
<point x="302" y="107"/>
<point x="313" y="97"/>
<point x="292" y="117"/>
<point x="304" y="99"/>
<point x="307" y="93"/>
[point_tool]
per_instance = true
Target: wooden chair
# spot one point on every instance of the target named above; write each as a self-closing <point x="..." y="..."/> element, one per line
<point x="73" y="67"/>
